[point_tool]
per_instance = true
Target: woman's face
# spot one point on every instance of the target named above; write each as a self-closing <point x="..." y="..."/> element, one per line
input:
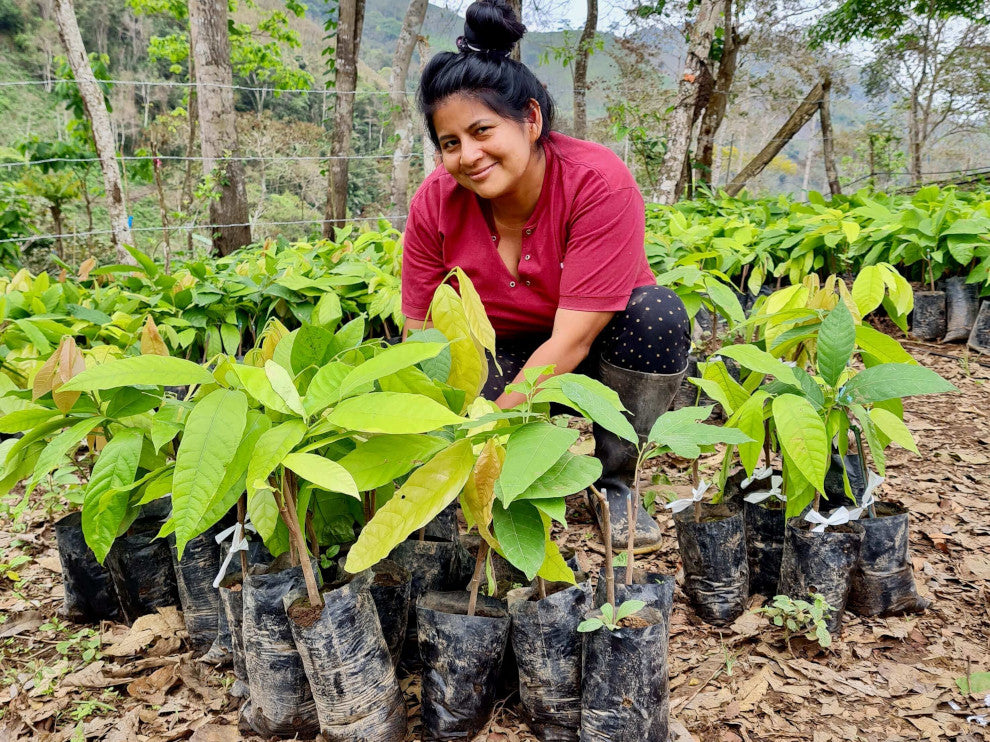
<point x="486" y="153"/>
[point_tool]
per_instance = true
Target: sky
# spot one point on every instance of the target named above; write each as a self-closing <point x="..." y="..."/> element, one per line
<point x="553" y="15"/>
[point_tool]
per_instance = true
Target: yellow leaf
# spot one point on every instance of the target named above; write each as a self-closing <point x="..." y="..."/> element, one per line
<point x="468" y="367"/>
<point x="554" y="568"/>
<point x="151" y="340"/>
<point x="474" y="310"/>
<point x="271" y="336"/>
<point x="850" y="303"/>
<point x="479" y="492"/>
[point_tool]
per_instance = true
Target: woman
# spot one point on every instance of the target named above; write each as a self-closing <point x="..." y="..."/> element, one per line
<point x="550" y="230"/>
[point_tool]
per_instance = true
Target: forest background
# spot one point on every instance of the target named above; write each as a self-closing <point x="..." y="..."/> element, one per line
<point x="909" y="98"/>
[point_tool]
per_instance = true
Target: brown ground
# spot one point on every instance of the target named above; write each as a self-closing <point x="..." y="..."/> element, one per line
<point x="883" y="679"/>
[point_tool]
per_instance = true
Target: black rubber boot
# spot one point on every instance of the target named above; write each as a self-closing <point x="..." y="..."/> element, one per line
<point x="646" y="397"/>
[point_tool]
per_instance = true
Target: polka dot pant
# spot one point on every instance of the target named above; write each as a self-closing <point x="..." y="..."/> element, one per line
<point x="652" y="335"/>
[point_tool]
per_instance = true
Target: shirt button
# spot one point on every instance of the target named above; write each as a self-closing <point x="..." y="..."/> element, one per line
<point x="529" y="232"/>
<point x="525" y="257"/>
<point x="512" y="284"/>
<point x="527" y="283"/>
<point x="494" y="238"/>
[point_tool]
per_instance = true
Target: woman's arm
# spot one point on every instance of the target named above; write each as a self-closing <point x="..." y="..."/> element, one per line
<point x="415" y="324"/>
<point x="569" y="344"/>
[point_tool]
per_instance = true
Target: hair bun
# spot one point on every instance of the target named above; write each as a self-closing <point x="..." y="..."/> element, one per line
<point x="491" y="26"/>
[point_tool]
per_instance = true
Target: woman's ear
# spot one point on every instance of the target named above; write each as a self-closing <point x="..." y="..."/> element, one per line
<point x="534" y="120"/>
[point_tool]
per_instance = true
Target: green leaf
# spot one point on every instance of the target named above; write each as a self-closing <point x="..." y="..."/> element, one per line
<point x="724" y="299"/>
<point x="600" y="411"/>
<point x="555" y="509"/>
<point x="129" y="401"/>
<point x="628" y="608"/>
<point x="670" y="423"/>
<point x="327" y="312"/>
<point x="893" y="380"/>
<point x="105" y="502"/>
<point x="894" y="428"/>
<point x="21" y="421"/>
<point x="324" y="388"/>
<point x="868" y="289"/>
<point x="429" y="489"/>
<point x="284" y="387"/>
<point x="801" y="433"/>
<point x="977" y="683"/>
<point x="590" y="624"/>
<point x="59" y="446"/>
<point x="749" y="419"/>
<point x="519" y="530"/>
<point x="310" y="347"/>
<point x="751" y="357"/>
<point x="324" y="473"/>
<point x="568" y="475"/>
<point x="385" y="458"/>
<point x="881" y="346"/>
<point x="554" y="568"/>
<point x="212" y="434"/>
<point x="530" y="452"/>
<point x="387" y="362"/>
<point x="392" y="412"/>
<point x="272" y="447"/>
<point x="139" y="371"/>
<point x="255" y="382"/>
<point x="836" y="340"/>
<point x="722" y="387"/>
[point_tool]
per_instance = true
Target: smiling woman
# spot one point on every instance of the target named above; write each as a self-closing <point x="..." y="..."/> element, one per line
<point x="550" y="230"/>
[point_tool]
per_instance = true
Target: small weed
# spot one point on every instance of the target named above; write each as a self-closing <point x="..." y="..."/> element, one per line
<point x="9" y="566"/>
<point x="83" y="644"/>
<point x="611" y="616"/>
<point x="801" y="617"/>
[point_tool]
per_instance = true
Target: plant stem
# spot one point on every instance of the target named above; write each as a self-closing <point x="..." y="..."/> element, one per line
<point x="479" y="566"/>
<point x="631" y="518"/>
<point x="862" y="464"/>
<point x="241" y="517"/>
<point x="695" y="481"/>
<point x="422" y="534"/>
<point x="287" y="508"/>
<point x="766" y="445"/>
<point x="541" y="587"/>
<point x="607" y="538"/>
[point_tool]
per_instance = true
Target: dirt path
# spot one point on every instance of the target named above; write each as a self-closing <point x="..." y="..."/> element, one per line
<point x="884" y="679"/>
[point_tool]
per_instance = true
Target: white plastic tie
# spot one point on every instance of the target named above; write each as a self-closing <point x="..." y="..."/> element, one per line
<point x="837" y="518"/>
<point x="874" y="480"/>
<point x="697" y="494"/>
<point x="238" y="542"/>
<point x="775" y="491"/>
<point x="758" y="474"/>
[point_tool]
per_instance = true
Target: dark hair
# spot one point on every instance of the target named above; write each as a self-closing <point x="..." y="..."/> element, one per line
<point x="483" y="69"/>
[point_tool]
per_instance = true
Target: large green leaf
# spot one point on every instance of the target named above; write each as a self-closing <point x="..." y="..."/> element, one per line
<point x="105" y="501"/>
<point x="429" y="489"/>
<point x="21" y="421"/>
<point x="893" y="380"/>
<point x="881" y="346"/>
<point x="568" y="475"/>
<point x="519" y="531"/>
<point x="801" y="433"/>
<point x="894" y="428"/>
<point x="256" y="383"/>
<point x="392" y="412"/>
<point x="137" y="371"/>
<point x="670" y="423"/>
<point x="600" y="411"/>
<point x="212" y="434"/>
<point x="529" y="453"/>
<point x="324" y="388"/>
<point x="385" y="458"/>
<point x="749" y="418"/>
<point x="387" y="362"/>
<point x="284" y="386"/>
<point x="725" y="300"/>
<point x="324" y="473"/>
<point x="59" y="446"/>
<point x="273" y="446"/>
<point x="755" y="359"/>
<point x="868" y="289"/>
<point x="836" y="340"/>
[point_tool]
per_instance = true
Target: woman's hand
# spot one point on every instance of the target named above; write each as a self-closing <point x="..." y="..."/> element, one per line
<point x="569" y="344"/>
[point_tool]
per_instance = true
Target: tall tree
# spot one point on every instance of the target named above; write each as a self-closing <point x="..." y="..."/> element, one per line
<point x="99" y="119"/>
<point x="517" y="6"/>
<point x="405" y="132"/>
<point x="350" y="21"/>
<point x="696" y="78"/>
<point x="581" y="70"/>
<point x="932" y="53"/>
<point x="210" y="46"/>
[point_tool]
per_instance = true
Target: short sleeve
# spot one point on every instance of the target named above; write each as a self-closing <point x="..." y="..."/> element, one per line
<point x="604" y="255"/>
<point x="422" y="257"/>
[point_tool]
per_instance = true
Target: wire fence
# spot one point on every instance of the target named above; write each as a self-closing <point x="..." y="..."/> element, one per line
<point x="179" y="158"/>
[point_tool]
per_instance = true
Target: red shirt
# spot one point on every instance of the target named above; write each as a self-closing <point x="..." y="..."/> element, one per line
<point x="582" y="249"/>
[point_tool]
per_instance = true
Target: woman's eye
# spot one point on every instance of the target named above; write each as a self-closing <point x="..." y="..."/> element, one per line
<point x="449" y="144"/>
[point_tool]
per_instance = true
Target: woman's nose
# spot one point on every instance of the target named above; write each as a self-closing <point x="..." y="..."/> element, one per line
<point x="470" y="153"/>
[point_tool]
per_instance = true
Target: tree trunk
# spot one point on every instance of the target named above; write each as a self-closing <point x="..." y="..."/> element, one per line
<point x="516" y="52"/>
<point x="828" y="149"/>
<point x="401" y="110"/>
<point x="714" y="114"/>
<point x="696" y="76"/>
<point x="581" y="70"/>
<point x="350" y="21"/>
<point x="217" y="124"/>
<point x="914" y="143"/>
<point x="801" y="116"/>
<point x="99" y="119"/>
